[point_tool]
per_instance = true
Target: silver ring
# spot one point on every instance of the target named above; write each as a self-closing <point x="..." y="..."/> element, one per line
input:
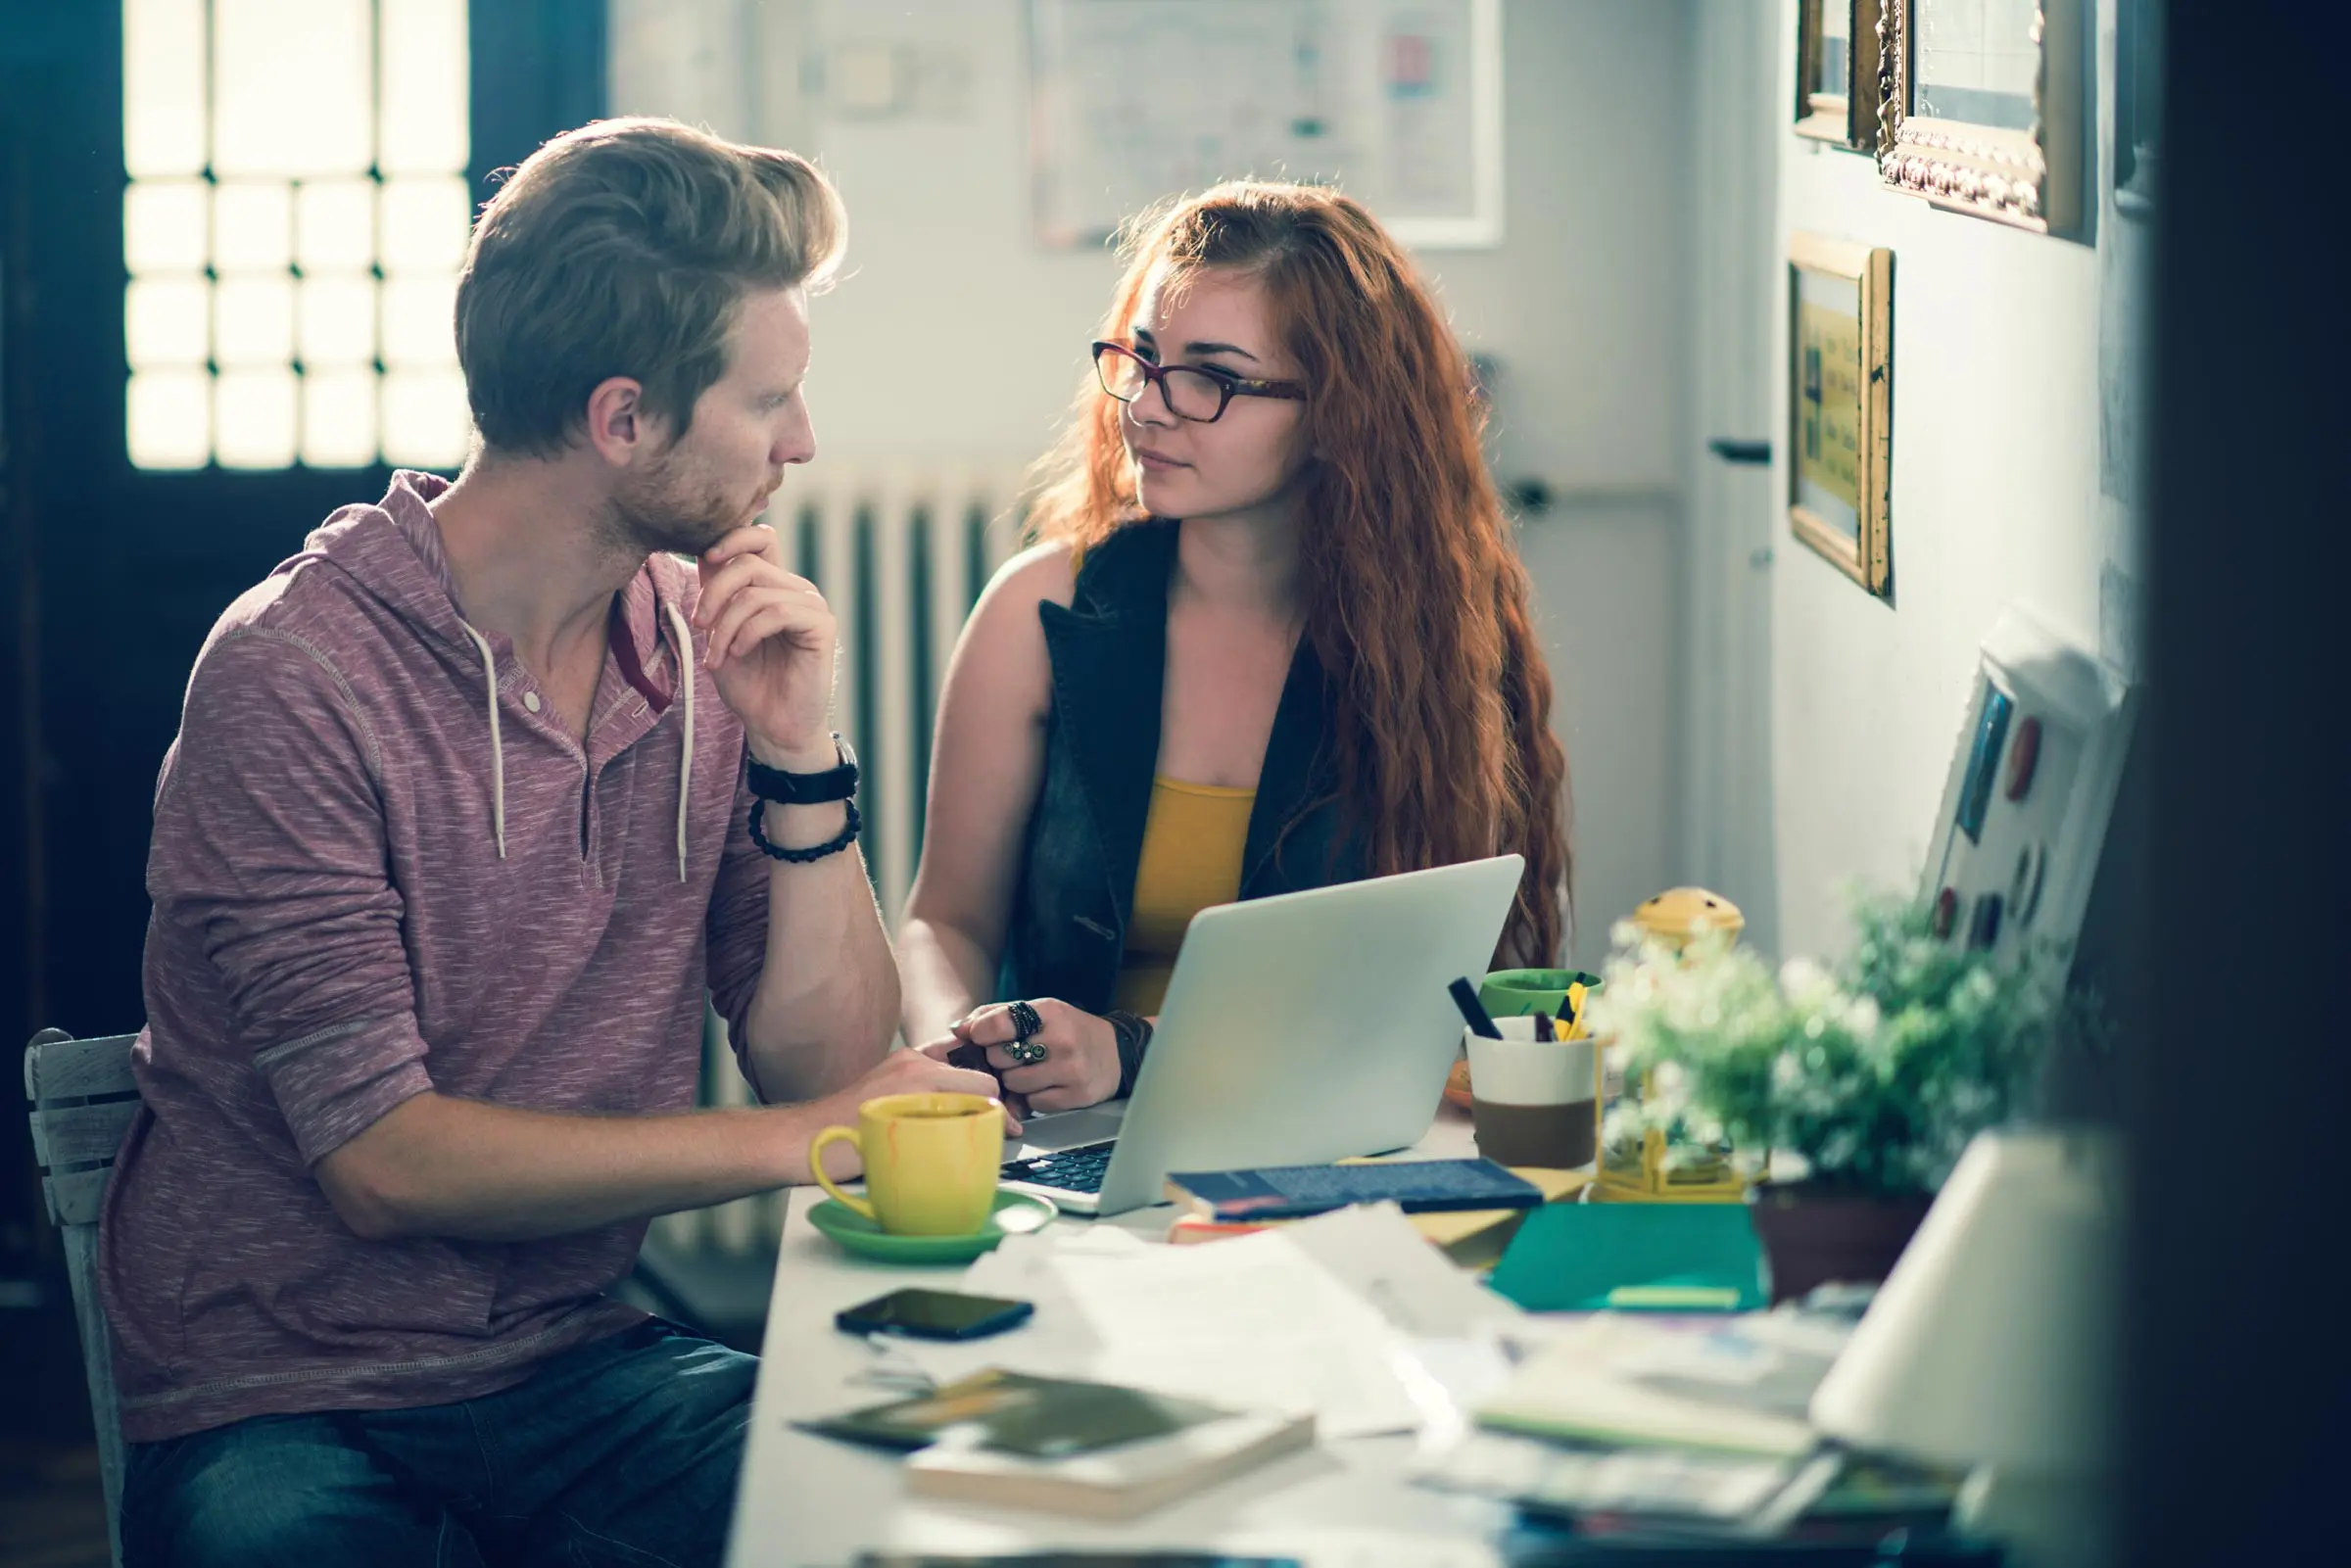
<point x="1026" y="1023"/>
<point x="1028" y="1053"/>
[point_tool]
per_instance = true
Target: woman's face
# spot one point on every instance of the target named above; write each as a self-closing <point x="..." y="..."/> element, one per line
<point x="1255" y="452"/>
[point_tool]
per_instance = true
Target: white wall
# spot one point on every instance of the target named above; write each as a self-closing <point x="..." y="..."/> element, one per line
<point x="1582" y="305"/>
<point x="1996" y="499"/>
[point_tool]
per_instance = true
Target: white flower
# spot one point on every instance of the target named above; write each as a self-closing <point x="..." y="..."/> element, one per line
<point x="1805" y="983"/>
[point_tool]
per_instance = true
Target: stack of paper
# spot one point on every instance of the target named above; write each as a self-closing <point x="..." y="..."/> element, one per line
<point x="1317" y="1318"/>
<point x="1616" y="1379"/>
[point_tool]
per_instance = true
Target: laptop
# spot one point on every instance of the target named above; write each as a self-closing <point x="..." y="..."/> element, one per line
<point x="1297" y="1029"/>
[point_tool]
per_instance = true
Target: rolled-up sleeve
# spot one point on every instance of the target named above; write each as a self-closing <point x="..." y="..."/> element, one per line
<point x="738" y="926"/>
<point x="269" y="842"/>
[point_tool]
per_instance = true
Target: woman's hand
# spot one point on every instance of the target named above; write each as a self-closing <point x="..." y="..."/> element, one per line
<point x="1081" y="1066"/>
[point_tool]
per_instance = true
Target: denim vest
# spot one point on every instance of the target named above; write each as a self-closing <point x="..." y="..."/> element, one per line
<point x="1067" y="936"/>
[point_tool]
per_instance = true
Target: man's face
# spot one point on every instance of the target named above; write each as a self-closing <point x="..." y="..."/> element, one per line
<point x="748" y="426"/>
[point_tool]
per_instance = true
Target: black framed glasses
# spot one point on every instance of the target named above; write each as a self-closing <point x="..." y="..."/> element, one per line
<point x="1193" y="392"/>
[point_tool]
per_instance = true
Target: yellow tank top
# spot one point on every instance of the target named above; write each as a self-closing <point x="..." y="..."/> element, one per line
<point x="1192" y="844"/>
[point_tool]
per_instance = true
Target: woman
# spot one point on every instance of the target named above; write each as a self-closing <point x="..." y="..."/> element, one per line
<point x="1273" y="635"/>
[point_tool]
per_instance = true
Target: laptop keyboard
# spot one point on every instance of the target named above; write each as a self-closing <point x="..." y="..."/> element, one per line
<point x="1078" y="1170"/>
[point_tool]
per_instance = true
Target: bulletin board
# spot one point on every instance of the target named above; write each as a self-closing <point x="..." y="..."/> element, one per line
<point x="1397" y="102"/>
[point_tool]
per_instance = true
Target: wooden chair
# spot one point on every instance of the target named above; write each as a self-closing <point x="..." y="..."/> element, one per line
<point x="83" y="1099"/>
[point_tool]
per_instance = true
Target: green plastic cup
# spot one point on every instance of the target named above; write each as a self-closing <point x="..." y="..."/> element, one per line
<point x="1515" y="993"/>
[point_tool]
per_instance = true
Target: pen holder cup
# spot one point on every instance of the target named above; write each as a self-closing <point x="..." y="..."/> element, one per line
<point x="1531" y="1100"/>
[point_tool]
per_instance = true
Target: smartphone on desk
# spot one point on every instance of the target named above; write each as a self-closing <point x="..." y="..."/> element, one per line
<point x="933" y="1315"/>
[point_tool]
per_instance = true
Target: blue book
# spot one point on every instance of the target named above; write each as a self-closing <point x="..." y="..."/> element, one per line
<point x="1291" y="1192"/>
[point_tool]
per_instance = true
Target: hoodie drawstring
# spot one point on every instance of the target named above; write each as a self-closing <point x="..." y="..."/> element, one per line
<point x="498" y="755"/>
<point x="685" y="637"/>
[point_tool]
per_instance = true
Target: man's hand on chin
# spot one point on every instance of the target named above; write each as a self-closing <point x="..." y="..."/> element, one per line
<point x="770" y="648"/>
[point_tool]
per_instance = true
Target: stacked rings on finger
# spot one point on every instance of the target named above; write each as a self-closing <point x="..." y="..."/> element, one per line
<point x="1026" y="1024"/>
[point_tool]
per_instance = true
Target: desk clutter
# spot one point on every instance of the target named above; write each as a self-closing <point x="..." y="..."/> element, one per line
<point x="1149" y="1374"/>
<point x="1602" y="1325"/>
<point x="1093" y="1451"/>
<point x="1294" y="1192"/>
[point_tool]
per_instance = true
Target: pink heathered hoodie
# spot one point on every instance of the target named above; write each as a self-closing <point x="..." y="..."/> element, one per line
<point x="369" y="880"/>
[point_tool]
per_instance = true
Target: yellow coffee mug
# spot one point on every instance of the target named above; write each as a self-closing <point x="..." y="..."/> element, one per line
<point x="930" y="1162"/>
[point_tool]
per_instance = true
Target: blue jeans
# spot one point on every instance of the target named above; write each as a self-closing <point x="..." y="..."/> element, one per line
<point x="623" y="1452"/>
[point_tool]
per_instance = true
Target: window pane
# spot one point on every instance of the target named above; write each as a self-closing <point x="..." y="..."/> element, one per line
<point x="166" y="321"/>
<point x="424" y="225"/>
<point x="164" y="227"/>
<point x="253" y="227"/>
<point x="337" y="321"/>
<point x="426" y="424"/>
<point x="338" y="419"/>
<point x="420" y="320"/>
<point x="256" y="413"/>
<point x="163" y="86"/>
<point x="169" y="418"/>
<point x="334" y="226"/>
<point x="253" y="321"/>
<point x="424" y="87"/>
<point x="295" y="80"/>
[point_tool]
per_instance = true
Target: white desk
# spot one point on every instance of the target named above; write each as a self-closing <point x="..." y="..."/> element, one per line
<point x="812" y="1502"/>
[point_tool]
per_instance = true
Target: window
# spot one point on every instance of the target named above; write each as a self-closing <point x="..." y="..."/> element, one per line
<point x="292" y="224"/>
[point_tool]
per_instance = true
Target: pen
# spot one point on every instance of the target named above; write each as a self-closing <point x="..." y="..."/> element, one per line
<point x="1542" y="1024"/>
<point x="1473" y="1013"/>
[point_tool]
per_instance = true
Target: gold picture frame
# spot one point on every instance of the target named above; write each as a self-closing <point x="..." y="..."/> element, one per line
<point x="1841" y="404"/>
<point x="1836" y="72"/>
<point x="1983" y="107"/>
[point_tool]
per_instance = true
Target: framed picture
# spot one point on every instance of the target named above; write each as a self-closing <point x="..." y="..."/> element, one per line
<point x="2137" y="102"/>
<point x="1841" y="404"/>
<point x="1983" y="106"/>
<point x="1836" y="72"/>
<point x="2032" y="785"/>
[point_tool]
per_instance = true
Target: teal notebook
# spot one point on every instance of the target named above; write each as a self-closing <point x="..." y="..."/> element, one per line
<point x="1666" y="1258"/>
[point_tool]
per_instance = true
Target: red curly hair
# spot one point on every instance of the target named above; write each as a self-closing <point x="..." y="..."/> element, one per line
<point x="1414" y="594"/>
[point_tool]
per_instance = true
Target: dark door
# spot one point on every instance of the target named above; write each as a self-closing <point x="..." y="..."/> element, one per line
<point x="118" y="568"/>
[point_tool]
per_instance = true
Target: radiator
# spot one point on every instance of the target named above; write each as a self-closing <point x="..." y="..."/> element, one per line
<point x="901" y="558"/>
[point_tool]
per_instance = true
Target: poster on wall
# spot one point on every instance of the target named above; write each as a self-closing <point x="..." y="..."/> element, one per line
<point x="1397" y="102"/>
<point x="1828" y="406"/>
<point x="1841" y="404"/>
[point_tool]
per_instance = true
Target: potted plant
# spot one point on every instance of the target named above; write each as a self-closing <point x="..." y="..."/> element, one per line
<point x="1873" y="1075"/>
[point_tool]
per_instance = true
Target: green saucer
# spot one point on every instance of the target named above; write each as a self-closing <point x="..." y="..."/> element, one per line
<point x="1015" y="1213"/>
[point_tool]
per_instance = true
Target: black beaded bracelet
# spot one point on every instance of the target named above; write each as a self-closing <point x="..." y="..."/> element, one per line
<point x="815" y="852"/>
<point x="1134" y="1033"/>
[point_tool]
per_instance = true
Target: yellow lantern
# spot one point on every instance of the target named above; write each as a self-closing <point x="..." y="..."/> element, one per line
<point x="1674" y="919"/>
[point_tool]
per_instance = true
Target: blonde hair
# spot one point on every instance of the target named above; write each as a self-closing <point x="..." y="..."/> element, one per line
<point x="624" y="248"/>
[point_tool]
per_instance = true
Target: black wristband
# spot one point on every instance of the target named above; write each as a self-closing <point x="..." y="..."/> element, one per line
<point x="836" y="782"/>
<point x="1134" y="1033"/>
<point x="802" y="857"/>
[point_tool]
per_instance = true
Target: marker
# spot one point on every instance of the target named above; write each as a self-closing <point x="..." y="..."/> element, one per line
<point x="1464" y="997"/>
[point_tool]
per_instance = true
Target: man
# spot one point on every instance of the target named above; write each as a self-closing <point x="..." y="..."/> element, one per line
<point x="471" y="801"/>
